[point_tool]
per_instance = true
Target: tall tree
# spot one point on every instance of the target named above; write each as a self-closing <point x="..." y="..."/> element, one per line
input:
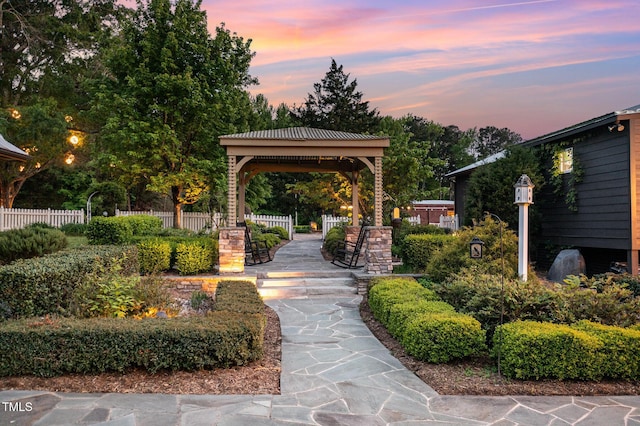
<point x="45" y="46"/>
<point x="336" y="104"/>
<point x="490" y="187"/>
<point x="172" y="89"/>
<point x="491" y="140"/>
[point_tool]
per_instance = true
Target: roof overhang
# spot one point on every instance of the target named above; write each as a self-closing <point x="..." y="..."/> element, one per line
<point x="11" y="152"/>
<point x="302" y="149"/>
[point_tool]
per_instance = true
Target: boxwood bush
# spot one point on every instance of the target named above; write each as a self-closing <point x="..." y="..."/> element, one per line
<point x="386" y="292"/>
<point x="620" y="351"/>
<point x="195" y="256"/>
<point x="402" y="312"/>
<point x="231" y="335"/>
<point x="109" y="230"/>
<point x="154" y="256"/>
<point x="442" y="337"/>
<point x="538" y="350"/>
<point x="334" y="237"/>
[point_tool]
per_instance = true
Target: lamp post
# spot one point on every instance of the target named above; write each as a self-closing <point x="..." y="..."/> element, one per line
<point x="89" y="206"/>
<point x="524" y="197"/>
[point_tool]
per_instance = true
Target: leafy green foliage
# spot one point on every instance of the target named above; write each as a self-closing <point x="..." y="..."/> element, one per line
<point x="195" y="256"/>
<point x="400" y="313"/>
<point x="154" y="256"/>
<point x="620" y="351"/>
<point x="44" y="285"/>
<point x="74" y="229"/>
<point x="418" y="249"/>
<point x="201" y="301"/>
<point x="454" y="255"/>
<point x="490" y="187"/>
<point x="336" y="104"/>
<point x="30" y="242"/>
<point x="384" y="293"/>
<point x="170" y="90"/>
<point x="279" y="231"/>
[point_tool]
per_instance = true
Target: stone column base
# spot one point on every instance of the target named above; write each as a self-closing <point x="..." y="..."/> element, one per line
<point x="378" y="252"/>
<point x="231" y="250"/>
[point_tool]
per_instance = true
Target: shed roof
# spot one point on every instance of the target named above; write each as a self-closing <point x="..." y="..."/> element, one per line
<point x="9" y="151"/>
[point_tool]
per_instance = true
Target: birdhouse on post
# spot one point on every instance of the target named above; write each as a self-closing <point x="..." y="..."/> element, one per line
<point x="523" y="198"/>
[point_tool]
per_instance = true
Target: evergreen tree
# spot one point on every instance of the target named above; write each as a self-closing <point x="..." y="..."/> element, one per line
<point x="336" y="104"/>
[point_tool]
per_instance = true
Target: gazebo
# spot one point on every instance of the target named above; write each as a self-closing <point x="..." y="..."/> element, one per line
<point x="301" y="149"/>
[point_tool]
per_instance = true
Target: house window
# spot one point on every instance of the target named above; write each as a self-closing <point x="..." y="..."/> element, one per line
<point x="565" y="160"/>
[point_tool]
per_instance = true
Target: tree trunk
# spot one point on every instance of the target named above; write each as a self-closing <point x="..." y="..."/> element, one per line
<point x="177" y="206"/>
<point x="9" y="191"/>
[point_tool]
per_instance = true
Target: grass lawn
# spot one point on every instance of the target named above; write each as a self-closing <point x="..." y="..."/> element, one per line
<point x="77" y="241"/>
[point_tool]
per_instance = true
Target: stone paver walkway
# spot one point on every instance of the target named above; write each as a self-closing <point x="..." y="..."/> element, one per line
<point x="334" y="372"/>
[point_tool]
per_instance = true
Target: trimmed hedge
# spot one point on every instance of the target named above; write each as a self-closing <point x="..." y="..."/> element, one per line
<point x="402" y="312"/>
<point x="153" y="253"/>
<point x="536" y="350"/>
<point x="109" y="230"/>
<point x="621" y="350"/>
<point x="231" y="335"/>
<point x="386" y="292"/>
<point x="238" y="296"/>
<point x="442" y="337"/>
<point x="44" y="285"/>
<point x="60" y="346"/>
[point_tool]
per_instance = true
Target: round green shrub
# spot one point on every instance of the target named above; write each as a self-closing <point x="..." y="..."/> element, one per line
<point x="442" y="337"/>
<point x="279" y="231"/>
<point x="30" y="242"/>
<point x="334" y="237"/>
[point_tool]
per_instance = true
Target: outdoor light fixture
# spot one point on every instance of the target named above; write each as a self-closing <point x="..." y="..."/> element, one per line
<point x="74" y="140"/>
<point x="475" y="248"/>
<point x="617" y="126"/>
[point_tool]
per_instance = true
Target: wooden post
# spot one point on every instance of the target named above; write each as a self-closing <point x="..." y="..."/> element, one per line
<point x="232" y="195"/>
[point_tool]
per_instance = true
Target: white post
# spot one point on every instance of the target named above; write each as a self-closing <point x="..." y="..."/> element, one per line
<point x="524" y="197"/>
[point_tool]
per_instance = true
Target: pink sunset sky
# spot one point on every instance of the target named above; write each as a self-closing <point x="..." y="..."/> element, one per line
<point x="532" y="66"/>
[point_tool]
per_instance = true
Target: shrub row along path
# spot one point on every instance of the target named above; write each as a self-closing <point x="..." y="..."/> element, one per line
<point x="334" y="372"/>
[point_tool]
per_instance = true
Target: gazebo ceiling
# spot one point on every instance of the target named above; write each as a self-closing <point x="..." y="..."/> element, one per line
<point x="303" y="149"/>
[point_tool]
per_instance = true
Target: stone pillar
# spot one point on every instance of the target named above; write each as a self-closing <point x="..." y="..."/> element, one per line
<point x="378" y="251"/>
<point x="351" y="234"/>
<point x="231" y="250"/>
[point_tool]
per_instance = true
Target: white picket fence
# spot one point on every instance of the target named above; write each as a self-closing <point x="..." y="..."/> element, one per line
<point x="19" y="218"/>
<point x="329" y="222"/>
<point x="449" y="222"/>
<point x="198" y="221"/>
